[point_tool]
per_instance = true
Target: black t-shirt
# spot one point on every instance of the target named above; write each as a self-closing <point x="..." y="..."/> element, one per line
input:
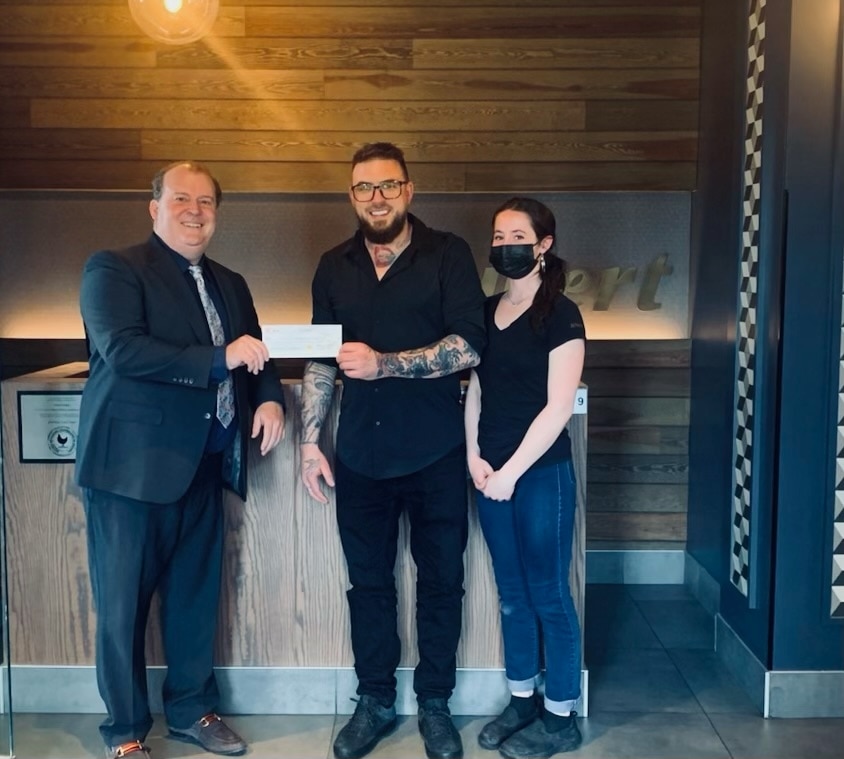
<point x="395" y="426"/>
<point x="514" y="379"/>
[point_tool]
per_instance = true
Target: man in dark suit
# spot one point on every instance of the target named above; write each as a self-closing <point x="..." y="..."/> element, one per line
<point x="176" y="362"/>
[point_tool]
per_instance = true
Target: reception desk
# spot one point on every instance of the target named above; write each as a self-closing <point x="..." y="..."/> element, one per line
<point x="283" y="640"/>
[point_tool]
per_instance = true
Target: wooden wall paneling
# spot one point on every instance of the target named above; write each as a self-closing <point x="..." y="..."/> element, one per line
<point x="429" y="3"/>
<point x="285" y="53"/>
<point x="637" y="411"/>
<point x="121" y="83"/>
<point x="638" y="353"/>
<point x="92" y="20"/>
<point x="638" y="115"/>
<point x="46" y="144"/>
<point x="646" y="527"/>
<point x="550" y="177"/>
<point x="640" y="468"/>
<point x="471" y="147"/>
<point x="638" y="381"/>
<point x="638" y="440"/>
<point x="254" y="176"/>
<point x="14" y="112"/>
<point x="615" y="80"/>
<point x="558" y="53"/>
<point x="575" y="84"/>
<point x="457" y="21"/>
<point x="369" y="117"/>
<point x="650" y="497"/>
<point x="91" y="52"/>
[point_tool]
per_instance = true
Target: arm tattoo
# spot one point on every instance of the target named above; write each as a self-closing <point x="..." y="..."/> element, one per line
<point x="449" y="355"/>
<point x="317" y="392"/>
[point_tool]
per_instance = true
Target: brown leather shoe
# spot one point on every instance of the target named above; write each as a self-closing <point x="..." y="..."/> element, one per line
<point x="135" y="749"/>
<point x="212" y="734"/>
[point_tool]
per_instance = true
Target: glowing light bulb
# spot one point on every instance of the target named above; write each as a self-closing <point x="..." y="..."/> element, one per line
<point x="175" y="22"/>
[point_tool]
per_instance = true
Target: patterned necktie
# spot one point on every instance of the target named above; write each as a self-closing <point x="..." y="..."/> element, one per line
<point x="225" y="390"/>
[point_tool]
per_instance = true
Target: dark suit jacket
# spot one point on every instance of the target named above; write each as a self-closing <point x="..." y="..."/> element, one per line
<point x="148" y="405"/>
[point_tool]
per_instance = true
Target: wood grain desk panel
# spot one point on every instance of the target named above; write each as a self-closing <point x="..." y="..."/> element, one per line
<point x="283" y="601"/>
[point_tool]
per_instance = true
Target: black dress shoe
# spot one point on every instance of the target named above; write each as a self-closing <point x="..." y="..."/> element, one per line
<point x="368" y="725"/>
<point x="133" y="749"/>
<point x="212" y="734"/>
<point x="537" y="742"/>
<point x="442" y="741"/>
<point x="508" y="722"/>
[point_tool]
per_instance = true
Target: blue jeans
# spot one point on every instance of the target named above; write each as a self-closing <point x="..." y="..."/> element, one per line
<point x="529" y="538"/>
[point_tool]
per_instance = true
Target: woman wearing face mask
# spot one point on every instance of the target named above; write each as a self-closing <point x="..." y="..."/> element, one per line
<point x="519" y="456"/>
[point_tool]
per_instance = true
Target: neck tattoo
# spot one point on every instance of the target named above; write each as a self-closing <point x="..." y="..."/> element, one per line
<point x="385" y="255"/>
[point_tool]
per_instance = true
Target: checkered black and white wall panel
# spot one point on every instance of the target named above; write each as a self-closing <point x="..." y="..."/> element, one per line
<point x="747" y="301"/>
<point x="837" y="609"/>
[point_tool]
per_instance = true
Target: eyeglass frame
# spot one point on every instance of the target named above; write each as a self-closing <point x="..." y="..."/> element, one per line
<point x="400" y="183"/>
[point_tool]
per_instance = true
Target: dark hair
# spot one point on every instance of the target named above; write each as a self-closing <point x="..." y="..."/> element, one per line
<point x="199" y="168"/>
<point x="552" y="275"/>
<point x="380" y="150"/>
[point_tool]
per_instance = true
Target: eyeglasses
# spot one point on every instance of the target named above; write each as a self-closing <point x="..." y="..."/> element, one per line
<point x="389" y="189"/>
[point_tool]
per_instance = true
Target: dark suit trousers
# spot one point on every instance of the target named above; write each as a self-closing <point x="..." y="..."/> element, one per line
<point x="134" y="549"/>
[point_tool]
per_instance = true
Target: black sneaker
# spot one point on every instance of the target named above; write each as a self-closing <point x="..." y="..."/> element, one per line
<point x="442" y="741"/>
<point x="509" y="721"/>
<point x="537" y="742"/>
<point x="368" y="725"/>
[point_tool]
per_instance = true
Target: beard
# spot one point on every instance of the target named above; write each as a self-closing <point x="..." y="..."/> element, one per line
<point x="382" y="235"/>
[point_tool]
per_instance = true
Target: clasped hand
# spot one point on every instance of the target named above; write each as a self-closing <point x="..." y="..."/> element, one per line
<point x="495" y="485"/>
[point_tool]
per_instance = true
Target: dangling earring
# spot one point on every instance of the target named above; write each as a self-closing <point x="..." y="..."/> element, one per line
<point x="542" y="263"/>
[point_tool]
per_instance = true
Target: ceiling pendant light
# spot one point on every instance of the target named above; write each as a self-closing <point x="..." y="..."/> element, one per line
<point x="175" y="22"/>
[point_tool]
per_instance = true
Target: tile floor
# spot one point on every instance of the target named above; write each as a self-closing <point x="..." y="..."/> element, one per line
<point x="657" y="692"/>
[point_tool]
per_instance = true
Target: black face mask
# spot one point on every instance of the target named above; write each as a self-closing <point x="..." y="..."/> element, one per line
<point x="512" y="261"/>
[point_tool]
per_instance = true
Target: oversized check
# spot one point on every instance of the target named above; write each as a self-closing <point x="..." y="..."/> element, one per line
<point x="302" y="340"/>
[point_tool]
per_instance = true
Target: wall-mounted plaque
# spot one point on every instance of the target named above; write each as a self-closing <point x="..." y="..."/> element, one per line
<point x="48" y="425"/>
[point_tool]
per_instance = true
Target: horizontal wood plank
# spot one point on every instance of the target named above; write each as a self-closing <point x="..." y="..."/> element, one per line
<point x="14" y="112"/>
<point x="46" y="144"/>
<point x="664" y="469"/>
<point x="551" y="177"/>
<point x="638" y="115"/>
<point x="91" y="52"/>
<point x="367" y="116"/>
<point x="638" y="497"/>
<point x="233" y="175"/>
<point x="85" y="19"/>
<point x="280" y="53"/>
<point x="575" y="84"/>
<point x="651" y="439"/>
<point x="637" y="353"/>
<point x="445" y="3"/>
<point x="556" y="53"/>
<point x="435" y="148"/>
<point x="665" y="383"/>
<point x="635" y="526"/>
<point x="118" y="83"/>
<point x="458" y="22"/>
<point x="633" y="411"/>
